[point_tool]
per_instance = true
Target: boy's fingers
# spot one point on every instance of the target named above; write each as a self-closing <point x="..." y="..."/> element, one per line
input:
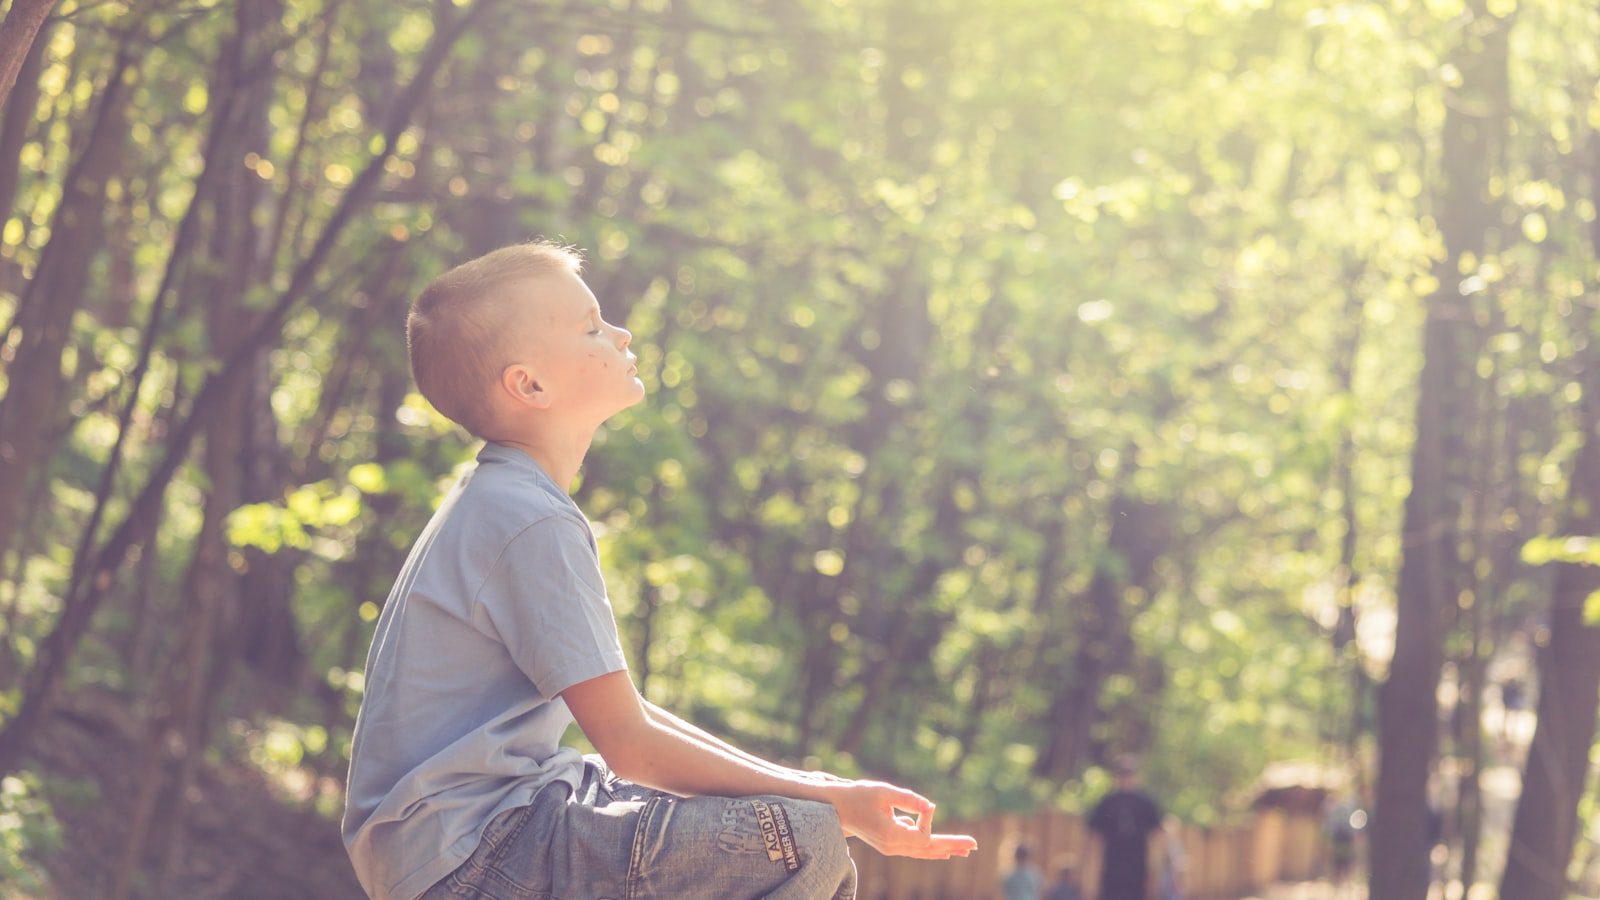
<point x="914" y="843"/>
<point x="935" y="851"/>
<point x="915" y="802"/>
<point x="957" y="842"/>
<point x="909" y="800"/>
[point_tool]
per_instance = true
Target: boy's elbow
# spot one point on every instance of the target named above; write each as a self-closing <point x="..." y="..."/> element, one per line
<point x="614" y="719"/>
<point x="627" y="753"/>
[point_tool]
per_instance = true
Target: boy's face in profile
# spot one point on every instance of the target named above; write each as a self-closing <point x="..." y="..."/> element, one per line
<point x="579" y="362"/>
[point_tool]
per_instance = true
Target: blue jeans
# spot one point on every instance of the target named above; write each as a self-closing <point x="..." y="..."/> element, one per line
<point x="614" y="840"/>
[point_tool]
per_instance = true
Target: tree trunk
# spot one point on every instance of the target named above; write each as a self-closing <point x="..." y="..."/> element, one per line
<point x="57" y="291"/>
<point x="1569" y="682"/>
<point x="15" y="124"/>
<point x="17" y="35"/>
<point x="1431" y="573"/>
<point x="1471" y="665"/>
<point x="212" y="587"/>
<point x="1493" y="568"/>
<point x="226" y="265"/>
<point x="1345" y="645"/>
<point x="374" y="555"/>
<point x="1139" y="536"/>
<point x="1546" y="824"/>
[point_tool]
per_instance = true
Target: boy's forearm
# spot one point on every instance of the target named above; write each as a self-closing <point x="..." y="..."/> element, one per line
<point x="682" y="763"/>
<point x="688" y="729"/>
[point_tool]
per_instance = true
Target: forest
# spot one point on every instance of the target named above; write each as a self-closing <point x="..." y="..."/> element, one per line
<point x="1028" y="383"/>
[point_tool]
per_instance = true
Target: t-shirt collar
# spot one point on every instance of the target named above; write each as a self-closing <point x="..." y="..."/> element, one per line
<point x="504" y="453"/>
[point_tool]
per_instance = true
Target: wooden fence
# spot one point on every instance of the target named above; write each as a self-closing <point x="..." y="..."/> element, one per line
<point x="1222" y="863"/>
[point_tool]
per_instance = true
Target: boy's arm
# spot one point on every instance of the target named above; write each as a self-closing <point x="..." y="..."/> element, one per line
<point x="643" y="750"/>
<point x="688" y="729"/>
<point x="637" y="746"/>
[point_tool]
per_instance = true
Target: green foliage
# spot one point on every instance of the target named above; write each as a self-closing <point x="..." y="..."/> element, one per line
<point x="926" y="298"/>
<point x="273" y="526"/>
<point x="1546" y="549"/>
<point x="1575" y="550"/>
<point x="28" y="830"/>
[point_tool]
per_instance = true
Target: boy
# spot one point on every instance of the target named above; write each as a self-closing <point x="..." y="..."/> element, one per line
<point x="498" y="634"/>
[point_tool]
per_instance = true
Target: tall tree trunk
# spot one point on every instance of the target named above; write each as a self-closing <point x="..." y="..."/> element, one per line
<point x="1493" y="568"/>
<point x="986" y="664"/>
<point x="1345" y="644"/>
<point x="211" y="587"/>
<point x="16" y="122"/>
<point x="1546" y="824"/>
<point x="57" y="291"/>
<point x="1471" y="664"/>
<point x="226" y="266"/>
<point x="902" y="320"/>
<point x="1139" y="535"/>
<point x="1431" y="574"/>
<point x="17" y="36"/>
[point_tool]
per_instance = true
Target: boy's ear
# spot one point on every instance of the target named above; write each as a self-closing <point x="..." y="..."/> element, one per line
<point x="520" y="382"/>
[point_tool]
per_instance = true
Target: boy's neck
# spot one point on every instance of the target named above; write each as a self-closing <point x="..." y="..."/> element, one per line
<point x="559" y="457"/>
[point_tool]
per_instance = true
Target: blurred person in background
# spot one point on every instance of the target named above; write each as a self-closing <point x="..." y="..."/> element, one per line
<point x="1124" y="828"/>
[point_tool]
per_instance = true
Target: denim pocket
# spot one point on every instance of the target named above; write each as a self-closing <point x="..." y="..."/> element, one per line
<point x="464" y="882"/>
<point x="501" y="833"/>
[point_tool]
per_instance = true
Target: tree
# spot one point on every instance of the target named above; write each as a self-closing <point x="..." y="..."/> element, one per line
<point x="17" y="33"/>
<point x="1558" y="762"/>
<point x="1431" y="573"/>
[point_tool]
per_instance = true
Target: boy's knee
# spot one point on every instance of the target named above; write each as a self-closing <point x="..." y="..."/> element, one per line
<point x="822" y="838"/>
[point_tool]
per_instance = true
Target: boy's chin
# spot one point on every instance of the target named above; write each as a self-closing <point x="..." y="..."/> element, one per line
<point x="637" y="398"/>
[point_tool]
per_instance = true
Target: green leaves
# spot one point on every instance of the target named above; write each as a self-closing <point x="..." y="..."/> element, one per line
<point x="1572" y="549"/>
<point x="325" y="506"/>
<point x="1575" y="549"/>
<point x="273" y="526"/>
<point x="916" y="297"/>
<point x="29" y="830"/>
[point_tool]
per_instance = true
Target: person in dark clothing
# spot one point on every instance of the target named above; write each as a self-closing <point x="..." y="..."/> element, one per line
<point x="1124" y="822"/>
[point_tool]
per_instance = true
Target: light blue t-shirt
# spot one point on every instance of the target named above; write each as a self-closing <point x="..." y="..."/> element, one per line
<point x="499" y="607"/>
<point x="1024" y="883"/>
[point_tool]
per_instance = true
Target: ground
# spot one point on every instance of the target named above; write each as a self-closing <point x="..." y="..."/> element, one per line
<point x="243" y="837"/>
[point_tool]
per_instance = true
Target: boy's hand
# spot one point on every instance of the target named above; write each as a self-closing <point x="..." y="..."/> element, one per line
<point x="867" y="811"/>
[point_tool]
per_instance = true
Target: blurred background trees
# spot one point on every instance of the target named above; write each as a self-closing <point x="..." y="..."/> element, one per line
<point x="1030" y="382"/>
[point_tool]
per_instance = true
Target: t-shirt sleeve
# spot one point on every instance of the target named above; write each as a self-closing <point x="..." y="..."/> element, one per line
<point x="1099" y="819"/>
<point x="1151" y="813"/>
<point x="546" y="602"/>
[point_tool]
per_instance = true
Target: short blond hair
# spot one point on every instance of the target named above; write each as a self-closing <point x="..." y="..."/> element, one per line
<point x="456" y="330"/>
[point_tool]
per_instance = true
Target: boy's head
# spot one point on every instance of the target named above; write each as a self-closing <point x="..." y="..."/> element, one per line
<point x="514" y="331"/>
